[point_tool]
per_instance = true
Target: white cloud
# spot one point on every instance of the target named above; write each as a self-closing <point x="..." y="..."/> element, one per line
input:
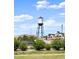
<point x="55" y="6"/>
<point x="45" y="4"/>
<point x="47" y="24"/>
<point x="27" y="28"/>
<point x="22" y="17"/>
<point x="51" y="23"/>
<point x="62" y="5"/>
<point x="61" y="14"/>
<point x="42" y="4"/>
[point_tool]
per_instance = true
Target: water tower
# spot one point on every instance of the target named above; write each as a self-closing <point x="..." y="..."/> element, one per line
<point x="40" y="27"/>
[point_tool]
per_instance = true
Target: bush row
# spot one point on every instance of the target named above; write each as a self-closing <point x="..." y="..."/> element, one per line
<point x="40" y="44"/>
<point x="55" y="44"/>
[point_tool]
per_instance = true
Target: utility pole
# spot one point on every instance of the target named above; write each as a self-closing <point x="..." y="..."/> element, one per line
<point x="62" y="28"/>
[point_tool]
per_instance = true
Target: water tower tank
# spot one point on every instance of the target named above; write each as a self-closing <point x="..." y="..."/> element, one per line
<point x="40" y="20"/>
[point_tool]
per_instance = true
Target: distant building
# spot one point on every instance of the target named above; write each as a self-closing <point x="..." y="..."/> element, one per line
<point x="53" y="36"/>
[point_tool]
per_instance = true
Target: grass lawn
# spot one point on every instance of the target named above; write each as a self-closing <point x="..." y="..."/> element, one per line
<point x="40" y="57"/>
<point x="38" y="52"/>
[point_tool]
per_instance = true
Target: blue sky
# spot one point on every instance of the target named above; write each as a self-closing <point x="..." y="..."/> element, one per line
<point x="26" y="13"/>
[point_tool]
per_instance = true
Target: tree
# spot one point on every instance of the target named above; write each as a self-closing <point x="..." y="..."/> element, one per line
<point x="63" y="43"/>
<point x="25" y="37"/>
<point x="32" y="38"/>
<point x="23" y="46"/>
<point x="58" y="43"/>
<point x="39" y="44"/>
<point x="16" y="43"/>
<point x="47" y="46"/>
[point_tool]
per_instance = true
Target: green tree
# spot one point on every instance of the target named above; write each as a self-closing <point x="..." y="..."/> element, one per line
<point x="63" y="43"/>
<point x="23" y="46"/>
<point x="32" y="38"/>
<point x="39" y="44"/>
<point x="47" y="46"/>
<point x="25" y="37"/>
<point x="16" y="43"/>
<point x="58" y="43"/>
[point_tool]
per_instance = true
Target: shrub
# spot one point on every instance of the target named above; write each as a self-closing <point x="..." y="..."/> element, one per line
<point x="47" y="46"/>
<point x="16" y="43"/>
<point x="23" y="46"/>
<point x="31" y="47"/>
<point x="63" y="44"/>
<point x="39" y="44"/>
<point x="57" y="44"/>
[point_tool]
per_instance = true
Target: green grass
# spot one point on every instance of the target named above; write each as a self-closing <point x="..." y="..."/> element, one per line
<point x="40" y="57"/>
<point x="38" y="52"/>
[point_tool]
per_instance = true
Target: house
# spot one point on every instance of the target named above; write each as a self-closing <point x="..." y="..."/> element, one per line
<point x="53" y="36"/>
